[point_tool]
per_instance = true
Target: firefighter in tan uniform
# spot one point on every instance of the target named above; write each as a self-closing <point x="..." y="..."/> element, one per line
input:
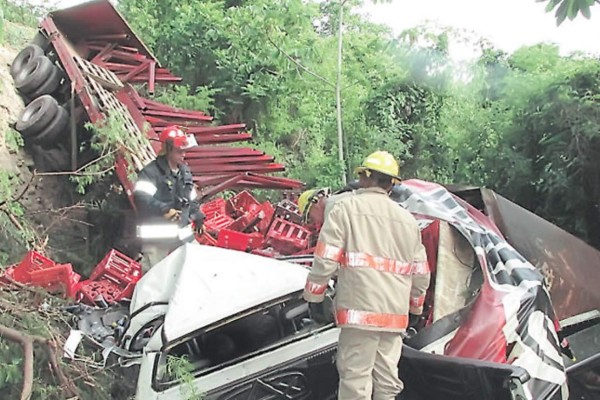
<point x="374" y="246"/>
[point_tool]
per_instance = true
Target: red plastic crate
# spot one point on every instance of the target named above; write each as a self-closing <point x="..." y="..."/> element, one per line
<point x="214" y="207"/>
<point x="90" y="291"/>
<point x="118" y="268"/>
<point x="229" y="239"/>
<point x="33" y="261"/>
<point x="242" y="203"/>
<point x="246" y="221"/>
<point x="217" y="223"/>
<point x="257" y="240"/>
<point x="58" y="278"/>
<point x="51" y="276"/>
<point x="288" y="211"/>
<point x="7" y="276"/>
<point x="206" y="239"/>
<point x="287" y="237"/>
<point x="267" y="211"/>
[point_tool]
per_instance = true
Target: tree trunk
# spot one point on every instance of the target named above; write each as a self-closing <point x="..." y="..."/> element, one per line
<point x="338" y="95"/>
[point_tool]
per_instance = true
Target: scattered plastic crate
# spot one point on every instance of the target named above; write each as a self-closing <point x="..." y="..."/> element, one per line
<point x="242" y="203"/>
<point x="234" y="240"/>
<point x="288" y="211"/>
<point x="117" y="267"/>
<point x="267" y="212"/>
<point x="93" y="292"/>
<point x="287" y="237"/>
<point x="206" y="239"/>
<point x="7" y="276"/>
<point x="246" y="221"/>
<point x="217" y="223"/>
<point x="33" y="261"/>
<point x="256" y="241"/>
<point x="214" y="207"/>
<point x="58" y="278"/>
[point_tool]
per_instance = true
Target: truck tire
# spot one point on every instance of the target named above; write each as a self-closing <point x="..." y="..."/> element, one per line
<point x="55" y="129"/>
<point x="58" y="159"/>
<point x="35" y="74"/>
<point x="50" y="85"/>
<point x="24" y="57"/>
<point x="50" y="160"/>
<point x="36" y="116"/>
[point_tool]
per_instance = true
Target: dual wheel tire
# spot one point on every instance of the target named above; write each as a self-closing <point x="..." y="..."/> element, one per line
<point x="43" y="121"/>
<point x="35" y="74"/>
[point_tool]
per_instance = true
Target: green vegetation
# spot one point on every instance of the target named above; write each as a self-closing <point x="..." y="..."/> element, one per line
<point x="569" y="8"/>
<point x="35" y="314"/>
<point x="180" y="369"/>
<point x="110" y="140"/>
<point x="524" y="124"/>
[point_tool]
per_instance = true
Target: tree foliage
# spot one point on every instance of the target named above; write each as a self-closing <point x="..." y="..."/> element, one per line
<point x="569" y="8"/>
<point x="525" y="124"/>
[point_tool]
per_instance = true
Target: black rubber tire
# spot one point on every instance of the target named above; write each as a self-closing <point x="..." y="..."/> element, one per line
<point x="50" y="85"/>
<point x="24" y="57"/>
<point x="50" y="160"/>
<point x="35" y="74"/>
<point x="58" y="159"/>
<point x="41" y="40"/>
<point x="36" y="116"/>
<point x="54" y="130"/>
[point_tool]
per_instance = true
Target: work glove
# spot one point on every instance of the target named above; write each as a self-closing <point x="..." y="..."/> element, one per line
<point x="199" y="223"/>
<point x="413" y="320"/>
<point x="199" y="229"/>
<point x="322" y="312"/>
<point x="173" y="214"/>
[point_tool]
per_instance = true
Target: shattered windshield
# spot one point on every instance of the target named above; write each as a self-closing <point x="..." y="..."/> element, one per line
<point x="254" y="332"/>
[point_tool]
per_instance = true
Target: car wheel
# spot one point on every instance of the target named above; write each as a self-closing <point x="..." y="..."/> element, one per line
<point x="53" y="132"/>
<point x="35" y="74"/>
<point x="24" y="57"/>
<point x="36" y="116"/>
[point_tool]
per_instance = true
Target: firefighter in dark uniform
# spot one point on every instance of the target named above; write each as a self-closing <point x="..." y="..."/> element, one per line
<point x="166" y="198"/>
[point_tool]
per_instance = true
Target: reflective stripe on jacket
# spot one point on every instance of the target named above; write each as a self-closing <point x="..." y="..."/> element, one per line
<point x="374" y="246"/>
<point x="158" y="189"/>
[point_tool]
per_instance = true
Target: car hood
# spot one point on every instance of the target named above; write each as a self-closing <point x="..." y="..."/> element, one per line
<point x="201" y="285"/>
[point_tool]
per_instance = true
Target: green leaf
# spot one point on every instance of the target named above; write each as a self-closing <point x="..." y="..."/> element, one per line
<point x="584" y="8"/>
<point x="551" y="4"/>
<point x="561" y="12"/>
<point x="573" y="9"/>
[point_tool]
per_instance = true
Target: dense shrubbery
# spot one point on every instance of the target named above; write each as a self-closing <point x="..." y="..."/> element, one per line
<point x="525" y="124"/>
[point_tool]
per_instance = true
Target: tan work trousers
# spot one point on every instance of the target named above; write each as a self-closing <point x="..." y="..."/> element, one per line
<point x="367" y="362"/>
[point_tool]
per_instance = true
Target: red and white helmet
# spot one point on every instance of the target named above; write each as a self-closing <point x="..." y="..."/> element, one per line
<point x="177" y="137"/>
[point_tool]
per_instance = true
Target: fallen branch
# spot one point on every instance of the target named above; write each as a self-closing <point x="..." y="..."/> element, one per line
<point x="78" y="171"/>
<point x="27" y="341"/>
<point x="20" y="195"/>
<point x="12" y="219"/>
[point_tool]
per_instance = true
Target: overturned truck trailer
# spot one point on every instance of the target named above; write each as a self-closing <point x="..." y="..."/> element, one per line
<point x="86" y="64"/>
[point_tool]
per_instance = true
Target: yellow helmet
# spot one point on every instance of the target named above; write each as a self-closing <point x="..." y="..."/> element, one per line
<point x="310" y="197"/>
<point x="303" y="199"/>
<point x="382" y="162"/>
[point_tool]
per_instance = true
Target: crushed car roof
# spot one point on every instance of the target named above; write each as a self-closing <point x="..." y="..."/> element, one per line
<point x="203" y="285"/>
